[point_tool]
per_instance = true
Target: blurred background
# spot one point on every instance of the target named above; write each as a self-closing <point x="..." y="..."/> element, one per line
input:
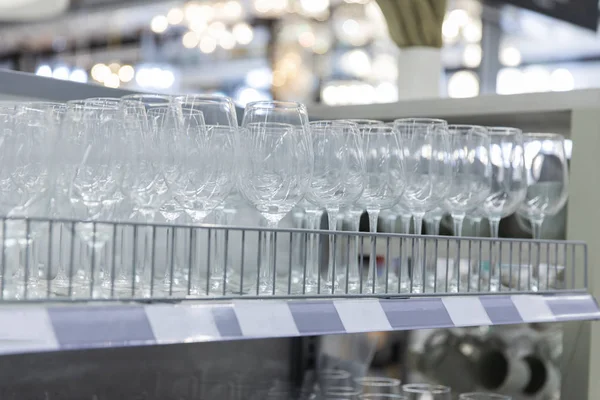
<point x="315" y="51"/>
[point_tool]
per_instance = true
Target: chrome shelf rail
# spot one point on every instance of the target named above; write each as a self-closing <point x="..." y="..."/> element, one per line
<point x="76" y="260"/>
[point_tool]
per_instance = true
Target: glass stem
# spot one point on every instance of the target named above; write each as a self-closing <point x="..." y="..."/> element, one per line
<point x="330" y="273"/>
<point x="372" y="274"/>
<point x="477" y="227"/>
<point x="405" y="220"/>
<point x="495" y="256"/>
<point x="538" y="283"/>
<point x="312" y="251"/>
<point x="391" y="223"/>
<point x="436" y="225"/>
<point x="268" y="267"/>
<point x="417" y="276"/>
<point x="217" y="266"/>
<point x="457" y="220"/>
<point x="354" y="270"/>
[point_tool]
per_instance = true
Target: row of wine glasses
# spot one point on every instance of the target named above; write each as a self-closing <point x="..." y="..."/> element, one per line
<point x="179" y="158"/>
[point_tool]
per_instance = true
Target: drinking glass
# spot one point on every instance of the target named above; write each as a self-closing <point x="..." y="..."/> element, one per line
<point x="471" y="180"/>
<point x="29" y="131"/>
<point x="378" y="385"/>
<point x="382" y="396"/>
<point x="547" y="183"/>
<point x="424" y="391"/>
<point x="509" y="186"/>
<point x="425" y="154"/>
<point x="220" y="120"/>
<point x="338" y="180"/>
<point x="91" y="163"/>
<point x="483" y="396"/>
<point x="276" y="166"/>
<point x="341" y="393"/>
<point x="385" y="182"/>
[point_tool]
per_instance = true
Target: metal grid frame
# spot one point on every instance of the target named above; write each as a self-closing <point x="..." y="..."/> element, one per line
<point x="137" y="261"/>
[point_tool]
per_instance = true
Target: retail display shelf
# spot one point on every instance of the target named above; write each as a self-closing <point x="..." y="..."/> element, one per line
<point x="41" y="327"/>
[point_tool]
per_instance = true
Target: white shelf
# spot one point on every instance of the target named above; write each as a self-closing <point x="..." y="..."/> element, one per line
<point x="55" y="327"/>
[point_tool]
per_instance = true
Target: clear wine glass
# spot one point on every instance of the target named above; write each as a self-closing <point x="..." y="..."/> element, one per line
<point x="26" y="188"/>
<point x="220" y="118"/>
<point x="426" y="147"/>
<point x="471" y="180"/>
<point x="338" y="179"/>
<point x="547" y="184"/>
<point x="423" y="391"/>
<point x="385" y="181"/>
<point x="276" y="153"/>
<point x="509" y="186"/>
<point x="93" y="145"/>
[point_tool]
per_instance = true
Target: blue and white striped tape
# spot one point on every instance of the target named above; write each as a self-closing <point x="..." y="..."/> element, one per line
<point x="34" y="328"/>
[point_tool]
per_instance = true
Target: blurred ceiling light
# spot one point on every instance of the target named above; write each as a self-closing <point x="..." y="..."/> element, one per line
<point x="62" y="72"/>
<point x="194" y="12"/>
<point x="386" y="92"/>
<point x="114" y="67"/>
<point x="198" y="26"/>
<point x="78" y="75"/>
<point x="510" y="56"/>
<point x="357" y="1"/>
<point x="472" y="56"/>
<point x="351" y="27"/>
<point x="270" y="6"/>
<point x="306" y="39"/>
<point x="356" y="62"/>
<point x="279" y="78"/>
<point x="536" y="79"/>
<point x="190" y="40"/>
<point x="112" y="81"/>
<point x="154" y="77"/>
<point x="247" y="95"/>
<point x="314" y="6"/>
<point x="216" y="29"/>
<point x="159" y="24"/>
<point x="463" y="84"/>
<point x="44" y="70"/>
<point x="243" y="33"/>
<point x="472" y="32"/>
<point x="510" y="81"/>
<point x="562" y="80"/>
<point x="321" y="45"/>
<point x="126" y="73"/>
<point x="227" y="40"/>
<point x="385" y="67"/>
<point x="206" y="12"/>
<point x="207" y="44"/>
<point x="164" y="78"/>
<point x="260" y="78"/>
<point x="450" y="31"/>
<point x="100" y="72"/>
<point x="459" y="17"/>
<point x="175" y="16"/>
<point x="233" y="10"/>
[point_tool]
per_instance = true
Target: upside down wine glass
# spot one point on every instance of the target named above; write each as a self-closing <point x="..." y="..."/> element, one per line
<point x="276" y="153"/>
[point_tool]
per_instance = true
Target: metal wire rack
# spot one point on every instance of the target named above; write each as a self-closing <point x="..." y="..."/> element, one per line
<point x="45" y="259"/>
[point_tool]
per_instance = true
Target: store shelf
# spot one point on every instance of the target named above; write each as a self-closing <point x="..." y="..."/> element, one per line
<point x="37" y="328"/>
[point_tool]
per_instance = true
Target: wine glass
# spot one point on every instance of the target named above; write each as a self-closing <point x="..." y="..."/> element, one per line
<point x="338" y="180"/>
<point x="219" y="117"/>
<point x="424" y="391"/>
<point x="378" y="385"/>
<point x="547" y="183"/>
<point x="425" y="153"/>
<point x="276" y="166"/>
<point x="471" y="181"/>
<point x="385" y="181"/>
<point x="509" y="185"/>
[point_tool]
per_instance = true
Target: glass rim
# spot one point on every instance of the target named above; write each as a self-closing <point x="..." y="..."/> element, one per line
<point x="378" y="381"/>
<point x="140" y="96"/>
<point x="476" y="395"/>
<point x="421" y="121"/>
<point x="476" y="129"/>
<point x="365" y="121"/>
<point x="368" y="396"/>
<point x="543" y="136"/>
<point x="270" y="104"/>
<point x="425" y="388"/>
<point x="217" y="98"/>
<point x="503" y="130"/>
<point x="335" y="373"/>
<point x="341" y="390"/>
<point x="272" y="125"/>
